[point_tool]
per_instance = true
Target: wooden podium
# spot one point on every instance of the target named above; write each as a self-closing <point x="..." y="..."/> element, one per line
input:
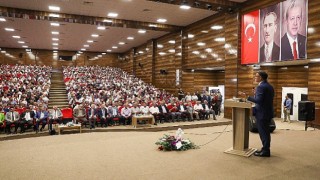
<point x="240" y="119"/>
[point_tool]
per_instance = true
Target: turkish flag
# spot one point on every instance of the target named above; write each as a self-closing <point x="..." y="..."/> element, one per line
<point x="250" y="38"/>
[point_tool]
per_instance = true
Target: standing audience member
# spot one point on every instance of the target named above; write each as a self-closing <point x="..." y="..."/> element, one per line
<point x="287" y="105"/>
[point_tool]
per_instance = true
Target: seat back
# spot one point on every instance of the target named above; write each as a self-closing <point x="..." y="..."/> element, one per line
<point x="67" y="113"/>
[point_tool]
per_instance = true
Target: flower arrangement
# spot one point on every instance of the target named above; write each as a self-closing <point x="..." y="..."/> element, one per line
<point x="175" y="143"/>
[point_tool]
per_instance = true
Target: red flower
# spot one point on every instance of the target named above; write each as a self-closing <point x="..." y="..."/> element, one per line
<point x="160" y="148"/>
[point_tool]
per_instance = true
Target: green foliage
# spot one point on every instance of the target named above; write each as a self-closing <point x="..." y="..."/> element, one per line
<point x="170" y="143"/>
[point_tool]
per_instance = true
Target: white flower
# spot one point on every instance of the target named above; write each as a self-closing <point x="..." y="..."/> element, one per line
<point x="179" y="145"/>
<point x="186" y="141"/>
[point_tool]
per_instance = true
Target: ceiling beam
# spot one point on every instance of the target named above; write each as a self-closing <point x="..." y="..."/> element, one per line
<point x="212" y="5"/>
<point x="81" y="19"/>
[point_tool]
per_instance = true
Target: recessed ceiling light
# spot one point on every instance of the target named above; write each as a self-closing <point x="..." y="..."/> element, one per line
<point x="112" y="14"/>
<point x="205" y="31"/>
<point x="3" y="19"/>
<point x="99" y="55"/>
<point x="209" y="50"/>
<point x="3" y="52"/>
<point x="54" y="24"/>
<point x="201" y="44"/>
<point x="55" y="32"/>
<point x="83" y="49"/>
<point x="54" y="8"/>
<point x="55" y="39"/>
<point x="90" y="41"/>
<point x="101" y="27"/>
<point x="21" y="42"/>
<point x="153" y="25"/>
<point x="54" y="15"/>
<point x="162" y="53"/>
<point x="142" y="31"/>
<point x="216" y="27"/>
<point x="122" y="43"/>
<point x="108" y="20"/>
<point x="94" y="35"/>
<point x="219" y="39"/>
<point x="130" y="38"/>
<point x="172" y="50"/>
<point x="160" y="46"/>
<point x="16" y="37"/>
<point x="86" y="45"/>
<point x="185" y="7"/>
<point x="55" y="51"/>
<point x="8" y="29"/>
<point x="190" y="36"/>
<point x="55" y="44"/>
<point x="55" y="48"/>
<point x="172" y="41"/>
<point x="25" y="46"/>
<point x="103" y="53"/>
<point x="161" y="20"/>
<point x="114" y="47"/>
<point x="109" y="50"/>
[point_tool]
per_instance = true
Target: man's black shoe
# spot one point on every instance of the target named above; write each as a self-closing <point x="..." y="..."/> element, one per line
<point x="262" y="154"/>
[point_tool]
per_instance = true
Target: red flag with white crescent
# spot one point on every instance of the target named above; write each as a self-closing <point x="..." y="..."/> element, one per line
<point x="250" y="38"/>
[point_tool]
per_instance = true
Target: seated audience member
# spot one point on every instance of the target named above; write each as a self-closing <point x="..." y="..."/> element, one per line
<point x="2" y="119"/>
<point x="92" y="114"/>
<point x="41" y="117"/>
<point x="208" y="110"/>
<point x="135" y="109"/>
<point x="175" y="114"/>
<point x="199" y="109"/>
<point x="154" y="110"/>
<point x="164" y="112"/>
<point x="12" y="117"/>
<point x="27" y="117"/>
<point x="144" y="109"/>
<point x="55" y="115"/>
<point x="192" y="112"/>
<point x="184" y="111"/>
<point x="102" y="115"/>
<point x="113" y="112"/>
<point x="79" y="114"/>
<point x="126" y="115"/>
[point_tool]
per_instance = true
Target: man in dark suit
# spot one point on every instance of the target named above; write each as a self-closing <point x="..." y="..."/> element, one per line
<point x="293" y="44"/>
<point x="264" y="111"/>
<point x="270" y="51"/>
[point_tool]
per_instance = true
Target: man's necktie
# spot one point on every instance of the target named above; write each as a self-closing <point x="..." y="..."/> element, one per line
<point x="268" y="59"/>
<point x="295" y="53"/>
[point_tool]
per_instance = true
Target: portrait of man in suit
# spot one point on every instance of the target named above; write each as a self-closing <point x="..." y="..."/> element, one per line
<point x="293" y="42"/>
<point x="270" y="50"/>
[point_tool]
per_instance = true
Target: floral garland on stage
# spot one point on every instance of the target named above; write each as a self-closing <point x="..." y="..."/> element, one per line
<point x="175" y="143"/>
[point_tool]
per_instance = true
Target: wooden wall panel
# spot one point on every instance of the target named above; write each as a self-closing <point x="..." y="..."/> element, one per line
<point x="168" y="58"/>
<point x="313" y="39"/>
<point x="231" y="59"/>
<point x="144" y="57"/>
<point x="314" y="84"/>
<point x="126" y="61"/>
<point x="202" y="43"/>
<point x="48" y="58"/>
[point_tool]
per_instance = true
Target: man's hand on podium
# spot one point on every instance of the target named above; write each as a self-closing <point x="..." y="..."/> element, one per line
<point x="243" y="95"/>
